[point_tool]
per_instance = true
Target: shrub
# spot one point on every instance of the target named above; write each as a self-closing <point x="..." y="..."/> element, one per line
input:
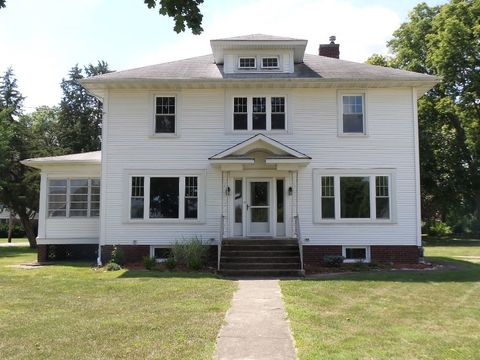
<point x="439" y="228"/>
<point x="17" y="231"/>
<point x="333" y="260"/>
<point x="191" y="253"/>
<point x="118" y="256"/>
<point x="170" y="263"/>
<point x="112" y="266"/>
<point x="149" y="262"/>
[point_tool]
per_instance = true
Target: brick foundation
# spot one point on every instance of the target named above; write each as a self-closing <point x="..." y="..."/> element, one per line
<point x="63" y="252"/>
<point x="313" y="254"/>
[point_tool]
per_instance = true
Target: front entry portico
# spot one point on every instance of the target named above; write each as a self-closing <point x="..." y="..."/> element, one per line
<point x="259" y="187"/>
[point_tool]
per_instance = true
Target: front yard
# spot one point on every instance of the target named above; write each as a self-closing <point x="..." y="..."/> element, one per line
<point x="71" y="311"/>
<point x="426" y="315"/>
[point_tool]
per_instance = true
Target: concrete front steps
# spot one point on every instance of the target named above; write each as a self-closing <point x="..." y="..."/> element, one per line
<point x="260" y="257"/>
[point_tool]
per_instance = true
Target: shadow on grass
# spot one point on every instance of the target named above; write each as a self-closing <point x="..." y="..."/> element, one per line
<point x="12" y="251"/>
<point x="463" y="271"/>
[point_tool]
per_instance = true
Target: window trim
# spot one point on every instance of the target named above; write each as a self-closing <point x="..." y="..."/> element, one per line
<point x="354" y="261"/>
<point x="247" y="57"/>
<point x="153" y="106"/>
<point x="270" y="67"/>
<point x="337" y="173"/>
<point x="181" y="174"/>
<point x="268" y="99"/>
<point x="68" y="195"/>
<point x="340" y="95"/>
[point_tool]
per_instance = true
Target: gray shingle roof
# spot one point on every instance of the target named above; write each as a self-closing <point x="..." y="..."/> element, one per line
<point x="93" y="157"/>
<point x="313" y="67"/>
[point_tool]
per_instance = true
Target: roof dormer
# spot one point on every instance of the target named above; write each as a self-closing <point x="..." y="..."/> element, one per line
<point x="258" y="53"/>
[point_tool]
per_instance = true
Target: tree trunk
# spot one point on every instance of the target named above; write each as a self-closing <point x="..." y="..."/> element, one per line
<point x="28" y="227"/>
<point x="10" y="227"/>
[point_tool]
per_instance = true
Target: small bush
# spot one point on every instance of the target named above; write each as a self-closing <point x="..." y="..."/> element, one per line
<point x="439" y="228"/>
<point x="112" y="266"/>
<point x="118" y="256"/>
<point x="17" y="231"/>
<point x="170" y="263"/>
<point x="333" y="260"/>
<point x="191" y="253"/>
<point x="149" y="262"/>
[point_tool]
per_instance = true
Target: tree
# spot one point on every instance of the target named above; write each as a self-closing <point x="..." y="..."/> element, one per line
<point x="183" y="12"/>
<point x="445" y="40"/>
<point x="80" y="114"/>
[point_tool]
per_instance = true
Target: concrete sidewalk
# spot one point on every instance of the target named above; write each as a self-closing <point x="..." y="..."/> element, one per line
<point x="13" y="244"/>
<point x="256" y="326"/>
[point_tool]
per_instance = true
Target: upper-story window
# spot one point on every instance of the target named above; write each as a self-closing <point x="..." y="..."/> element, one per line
<point x="259" y="113"/>
<point x="247" y="63"/>
<point x="270" y="62"/>
<point x="165" y="115"/>
<point x="352" y="114"/>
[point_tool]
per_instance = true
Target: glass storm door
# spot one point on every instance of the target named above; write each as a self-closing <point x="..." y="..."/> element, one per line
<point x="258" y="208"/>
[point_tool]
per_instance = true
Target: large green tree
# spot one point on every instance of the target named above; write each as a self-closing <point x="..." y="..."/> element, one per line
<point x="445" y="40"/>
<point x="80" y="114"/>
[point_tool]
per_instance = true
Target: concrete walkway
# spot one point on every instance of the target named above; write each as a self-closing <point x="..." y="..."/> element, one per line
<point x="256" y="326"/>
<point x="13" y="244"/>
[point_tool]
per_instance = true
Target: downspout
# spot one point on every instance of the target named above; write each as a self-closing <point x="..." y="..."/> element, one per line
<point x="99" y="257"/>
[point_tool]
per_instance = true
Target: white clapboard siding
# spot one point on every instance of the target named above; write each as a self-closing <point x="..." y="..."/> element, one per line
<point x="202" y="132"/>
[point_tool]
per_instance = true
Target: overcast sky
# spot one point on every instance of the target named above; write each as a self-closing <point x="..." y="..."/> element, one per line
<point x="42" y="40"/>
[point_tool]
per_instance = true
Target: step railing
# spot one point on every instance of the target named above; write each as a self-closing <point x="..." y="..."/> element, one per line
<point x="298" y="236"/>
<point x="220" y="239"/>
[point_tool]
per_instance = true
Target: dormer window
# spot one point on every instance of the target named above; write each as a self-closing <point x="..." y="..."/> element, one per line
<point x="270" y="62"/>
<point x="247" y="63"/>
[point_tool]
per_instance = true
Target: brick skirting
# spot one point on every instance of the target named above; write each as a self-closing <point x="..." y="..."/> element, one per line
<point x="62" y="252"/>
<point x="313" y="254"/>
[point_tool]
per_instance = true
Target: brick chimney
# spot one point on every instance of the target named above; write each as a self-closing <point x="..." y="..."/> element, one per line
<point x="330" y="50"/>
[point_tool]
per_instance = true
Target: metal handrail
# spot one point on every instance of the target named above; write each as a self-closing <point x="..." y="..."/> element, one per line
<point x="298" y="235"/>
<point x="220" y="239"/>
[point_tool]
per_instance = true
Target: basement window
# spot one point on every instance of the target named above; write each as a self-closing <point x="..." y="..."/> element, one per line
<point x="161" y="254"/>
<point x="353" y="254"/>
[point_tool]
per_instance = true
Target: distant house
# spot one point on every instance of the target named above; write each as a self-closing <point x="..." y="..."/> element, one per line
<point x="306" y="155"/>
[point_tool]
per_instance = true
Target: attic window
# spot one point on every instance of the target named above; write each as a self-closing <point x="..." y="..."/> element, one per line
<point x="247" y="63"/>
<point x="270" y="63"/>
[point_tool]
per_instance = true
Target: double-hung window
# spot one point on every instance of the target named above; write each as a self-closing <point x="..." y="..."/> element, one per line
<point x="73" y="197"/>
<point x="353" y="196"/>
<point x="164" y="197"/>
<point x="259" y="113"/>
<point x="352" y="114"/>
<point x="165" y="115"/>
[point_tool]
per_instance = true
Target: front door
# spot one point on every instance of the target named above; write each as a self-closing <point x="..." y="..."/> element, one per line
<point x="258" y="207"/>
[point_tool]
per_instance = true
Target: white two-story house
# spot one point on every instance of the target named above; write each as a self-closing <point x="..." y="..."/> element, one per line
<point x="255" y="141"/>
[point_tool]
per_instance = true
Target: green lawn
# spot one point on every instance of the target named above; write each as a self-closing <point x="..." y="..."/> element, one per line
<point x="14" y="240"/>
<point x="427" y="315"/>
<point x="71" y="311"/>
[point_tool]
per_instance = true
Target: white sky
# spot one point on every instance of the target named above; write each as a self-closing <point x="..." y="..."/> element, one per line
<point x="42" y="40"/>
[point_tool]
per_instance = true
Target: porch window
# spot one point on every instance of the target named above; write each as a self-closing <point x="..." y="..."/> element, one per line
<point x="73" y="197"/>
<point x="165" y="115"/>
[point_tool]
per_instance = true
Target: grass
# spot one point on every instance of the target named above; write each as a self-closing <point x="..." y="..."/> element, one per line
<point x="415" y="315"/>
<point x="71" y="311"/>
<point x="14" y="240"/>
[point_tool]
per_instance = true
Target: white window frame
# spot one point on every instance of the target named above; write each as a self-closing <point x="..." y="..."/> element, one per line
<point x="337" y="174"/>
<point x="147" y="175"/>
<point x="152" y="251"/>
<point x="270" y="67"/>
<point x="247" y="68"/>
<point x="353" y="261"/>
<point x="340" y="95"/>
<point x="268" y="100"/>
<point x="154" y="97"/>
<point x="68" y="200"/>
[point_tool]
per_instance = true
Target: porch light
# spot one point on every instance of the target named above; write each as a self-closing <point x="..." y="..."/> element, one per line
<point x="227" y="191"/>
<point x="290" y="191"/>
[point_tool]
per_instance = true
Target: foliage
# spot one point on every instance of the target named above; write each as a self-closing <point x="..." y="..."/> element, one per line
<point x="191" y="253"/>
<point x="170" y="262"/>
<point x="333" y="260"/>
<point x="113" y="266"/>
<point x="183" y="12"/>
<point x="149" y="262"/>
<point x="118" y="256"/>
<point x="445" y="40"/>
<point x="17" y="231"/>
<point x="80" y="114"/>
<point x="439" y="228"/>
